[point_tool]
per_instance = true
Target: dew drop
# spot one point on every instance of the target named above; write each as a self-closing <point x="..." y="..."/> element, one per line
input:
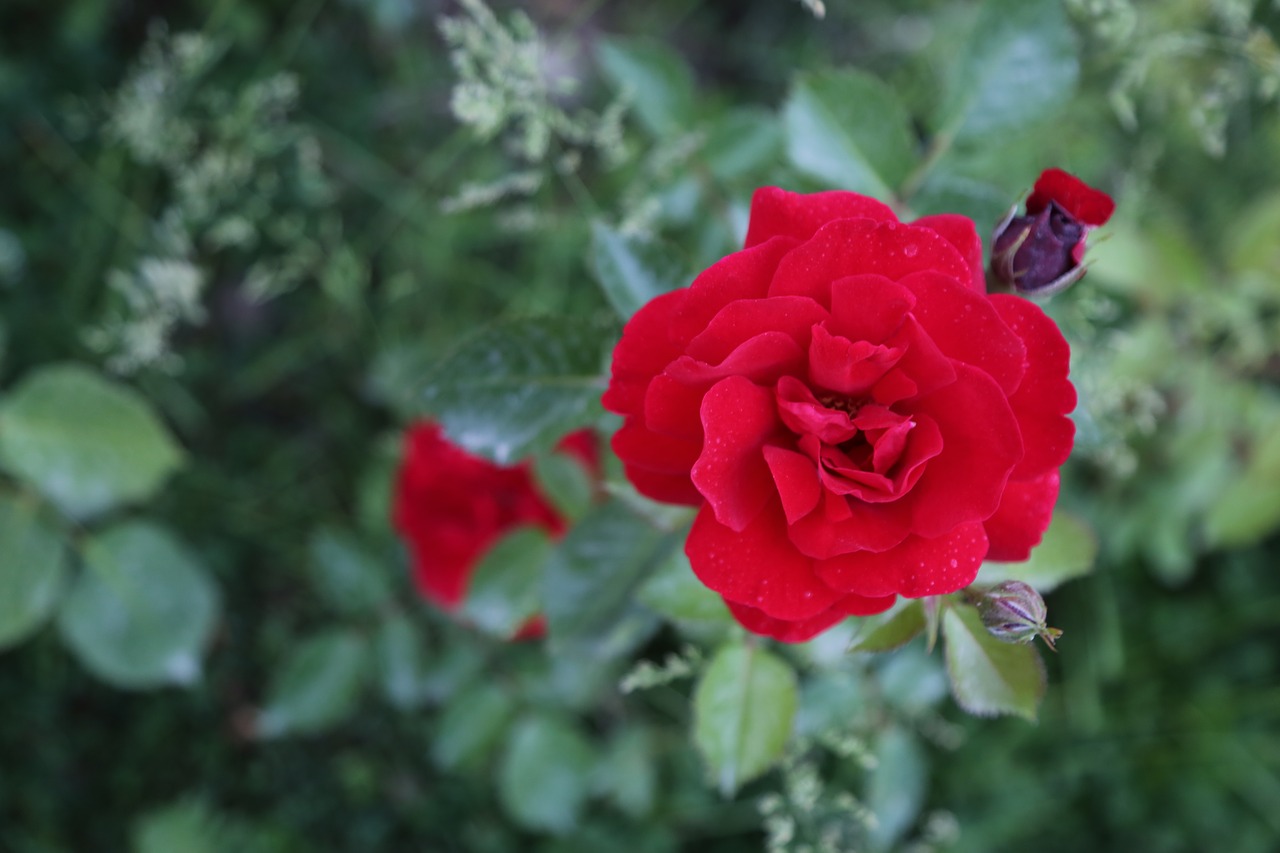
<point x="910" y="250"/>
<point x="954" y="563"/>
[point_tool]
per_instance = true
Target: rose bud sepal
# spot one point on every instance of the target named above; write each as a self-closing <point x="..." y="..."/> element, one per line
<point x="1014" y="612"/>
<point x="1022" y="247"/>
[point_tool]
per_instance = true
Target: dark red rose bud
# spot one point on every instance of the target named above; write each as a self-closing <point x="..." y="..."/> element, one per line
<point x="1015" y="613"/>
<point x="1042" y="252"/>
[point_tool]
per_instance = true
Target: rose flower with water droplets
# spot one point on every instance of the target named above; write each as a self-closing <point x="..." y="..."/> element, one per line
<point x="854" y="417"/>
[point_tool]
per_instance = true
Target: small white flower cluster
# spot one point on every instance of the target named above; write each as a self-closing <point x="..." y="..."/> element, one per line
<point x="238" y="175"/>
<point x="511" y="84"/>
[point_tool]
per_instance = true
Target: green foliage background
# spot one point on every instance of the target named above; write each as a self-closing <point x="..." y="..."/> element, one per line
<point x="242" y="244"/>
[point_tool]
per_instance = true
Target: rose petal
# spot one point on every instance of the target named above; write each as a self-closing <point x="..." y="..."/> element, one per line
<point x="743" y="275"/>
<point x="1045" y="396"/>
<point x="673" y="408"/>
<point x="645" y="349"/>
<point x="782" y="630"/>
<point x="804" y="415"/>
<point x="737" y="418"/>
<point x="776" y="212"/>
<point x="1024" y="515"/>
<point x="796" y="478"/>
<point x="849" y="247"/>
<point x="916" y="568"/>
<point x="848" y="367"/>
<point x="657" y="465"/>
<point x="966" y="327"/>
<point x="763" y="358"/>
<point x="868" y="307"/>
<point x="960" y="232"/>
<point x="744" y="319"/>
<point x="1088" y="205"/>
<point x="757" y="566"/>
<point x="980" y="445"/>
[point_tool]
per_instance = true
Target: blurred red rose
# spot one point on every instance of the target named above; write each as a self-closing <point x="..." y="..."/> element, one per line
<point x="450" y="507"/>
<point x="854" y="416"/>
<point x="1042" y="252"/>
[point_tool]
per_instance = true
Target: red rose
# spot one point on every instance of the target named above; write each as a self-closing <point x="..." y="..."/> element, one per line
<point x="1043" y="251"/>
<point x="854" y="416"/>
<point x="450" y="507"/>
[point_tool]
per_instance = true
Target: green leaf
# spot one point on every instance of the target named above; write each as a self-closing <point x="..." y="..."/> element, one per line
<point x="742" y="143"/>
<point x="517" y="387"/>
<point x="85" y="442"/>
<point x="505" y="588"/>
<point x="628" y="774"/>
<point x="1251" y="241"/>
<point x="896" y="787"/>
<point x="142" y="611"/>
<point x="675" y="592"/>
<point x="594" y="570"/>
<point x="912" y="680"/>
<point x="658" y="82"/>
<point x="400" y="650"/>
<point x="848" y="130"/>
<point x="347" y="576"/>
<point x="316" y="686"/>
<point x="989" y="677"/>
<point x="899" y="629"/>
<point x="544" y="777"/>
<point x="33" y="569"/>
<point x="184" y="827"/>
<point x="743" y="711"/>
<point x="944" y="192"/>
<point x="1067" y="551"/>
<point x="631" y="271"/>
<point x="566" y="482"/>
<point x="471" y="725"/>
<point x="1017" y="66"/>
<point x="1246" y="512"/>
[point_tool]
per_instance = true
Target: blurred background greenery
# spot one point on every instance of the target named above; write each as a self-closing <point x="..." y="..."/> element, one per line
<point x="235" y="236"/>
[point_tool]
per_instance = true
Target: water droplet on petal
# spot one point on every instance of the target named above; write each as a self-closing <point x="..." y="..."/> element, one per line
<point x="910" y="250"/>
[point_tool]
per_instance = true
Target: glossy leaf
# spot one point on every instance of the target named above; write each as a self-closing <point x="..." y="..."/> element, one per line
<point x="1249" y="507"/>
<point x="349" y="578"/>
<point x="900" y="628"/>
<point x="517" y="387"/>
<point x="32" y="568"/>
<point x="316" y="685"/>
<point x="674" y="591"/>
<point x="743" y="710"/>
<point x="658" y="83"/>
<point x="896" y="787"/>
<point x="628" y="774"/>
<point x="401" y="656"/>
<point x="593" y="571"/>
<point x="143" y="610"/>
<point x="506" y="587"/>
<point x="565" y="483"/>
<point x="1017" y="66"/>
<point x="544" y="776"/>
<point x="989" y="677"/>
<point x="471" y="725"/>
<point x="848" y="130"/>
<point x="1068" y="551"/>
<point x="631" y="271"/>
<point x="86" y="442"/>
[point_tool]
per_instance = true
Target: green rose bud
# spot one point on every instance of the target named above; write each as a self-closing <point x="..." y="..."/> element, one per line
<point x="1015" y="613"/>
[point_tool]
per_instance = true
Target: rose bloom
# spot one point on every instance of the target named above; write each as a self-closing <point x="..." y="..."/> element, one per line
<point x="450" y="507"/>
<point x="853" y="415"/>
